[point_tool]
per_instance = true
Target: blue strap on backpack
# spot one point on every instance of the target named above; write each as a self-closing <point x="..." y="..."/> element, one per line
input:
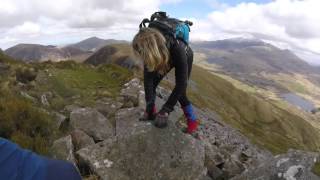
<point x="171" y="27"/>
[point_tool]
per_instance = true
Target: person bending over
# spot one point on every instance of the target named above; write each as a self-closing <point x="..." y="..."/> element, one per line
<point x="160" y="54"/>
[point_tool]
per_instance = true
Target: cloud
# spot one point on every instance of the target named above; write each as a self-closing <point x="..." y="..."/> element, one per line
<point x="291" y="24"/>
<point x="38" y="20"/>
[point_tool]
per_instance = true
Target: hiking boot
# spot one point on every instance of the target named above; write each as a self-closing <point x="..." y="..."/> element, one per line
<point x="192" y="126"/>
<point x="192" y="129"/>
<point x="161" y="120"/>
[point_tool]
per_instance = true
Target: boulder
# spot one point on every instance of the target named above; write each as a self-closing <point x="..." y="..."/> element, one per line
<point x="91" y="122"/>
<point x="70" y="108"/>
<point x="59" y="119"/>
<point x="128" y="124"/>
<point x="108" y="106"/>
<point x="130" y="92"/>
<point x="80" y="139"/>
<point x="294" y="165"/>
<point x="154" y="154"/>
<point x="63" y="149"/>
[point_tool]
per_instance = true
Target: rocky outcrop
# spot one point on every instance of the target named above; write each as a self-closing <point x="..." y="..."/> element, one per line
<point x="294" y="165"/>
<point x="108" y="107"/>
<point x="228" y="152"/>
<point x="63" y="149"/>
<point x="122" y="147"/>
<point x="128" y="124"/>
<point x="154" y="154"/>
<point x="91" y="122"/>
<point x="130" y="92"/>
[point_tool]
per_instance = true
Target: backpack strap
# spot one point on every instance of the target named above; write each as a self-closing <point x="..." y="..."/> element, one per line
<point x="143" y="23"/>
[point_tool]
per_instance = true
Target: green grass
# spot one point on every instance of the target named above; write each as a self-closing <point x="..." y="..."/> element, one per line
<point x="70" y="81"/>
<point x="28" y="126"/>
<point x="262" y="122"/>
<point x="316" y="168"/>
<point x="29" y="123"/>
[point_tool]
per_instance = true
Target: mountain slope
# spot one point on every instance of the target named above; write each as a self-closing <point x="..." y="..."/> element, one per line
<point x="120" y="54"/>
<point x="252" y="56"/>
<point x="264" y="123"/>
<point x="36" y="52"/>
<point x="94" y="43"/>
<point x="262" y="66"/>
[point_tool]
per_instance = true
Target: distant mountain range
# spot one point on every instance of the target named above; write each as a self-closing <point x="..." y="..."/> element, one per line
<point x="79" y="51"/>
<point x="37" y="52"/>
<point x="94" y="43"/>
<point x="252" y="56"/>
<point x="250" y="60"/>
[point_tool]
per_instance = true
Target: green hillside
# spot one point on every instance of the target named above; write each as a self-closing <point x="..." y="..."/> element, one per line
<point x="30" y="123"/>
<point x="265" y="124"/>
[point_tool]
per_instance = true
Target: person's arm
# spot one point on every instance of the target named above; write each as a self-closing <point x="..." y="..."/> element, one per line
<point x="179" y="58"/>
<point x="18" y="163"/>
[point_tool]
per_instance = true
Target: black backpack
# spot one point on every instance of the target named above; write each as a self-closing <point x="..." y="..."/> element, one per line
<point x="169" y="27"/>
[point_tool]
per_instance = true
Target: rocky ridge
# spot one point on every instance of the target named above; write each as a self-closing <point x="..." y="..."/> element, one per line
<point x="109" y="141"/>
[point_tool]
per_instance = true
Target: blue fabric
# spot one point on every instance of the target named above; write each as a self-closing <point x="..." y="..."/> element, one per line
<point x="19" y="164"/>
<point x="189" y="113"/>
<point x="182" y="32"/>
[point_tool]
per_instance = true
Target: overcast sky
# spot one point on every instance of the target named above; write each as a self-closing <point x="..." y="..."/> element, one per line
<point x="291" y="24"/>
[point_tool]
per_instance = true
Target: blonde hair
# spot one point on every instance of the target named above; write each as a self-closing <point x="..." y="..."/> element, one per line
<point x="150" y="45"/>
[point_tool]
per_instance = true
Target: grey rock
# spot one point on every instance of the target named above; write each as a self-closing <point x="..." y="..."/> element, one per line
<point x="228" y="152"/>
<point x="155" y="154"/>
<point x="141" y="99"/>
<point x="63" y="149"/>
<point x="91" y="122"/>
<point x="59" y="119"/>
<point x="80" y="139"/>
<point x="130" y="92"/>
<point x="44" y="100"/>
<point x="70" y="108"/>
<point x="128" y="124"/>
<point x="108" y="106"/>
<point x="294" y="165"/>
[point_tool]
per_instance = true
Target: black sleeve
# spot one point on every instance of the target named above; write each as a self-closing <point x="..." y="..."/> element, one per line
<point x="179" y="59"/>
<point x="150" y="95"/>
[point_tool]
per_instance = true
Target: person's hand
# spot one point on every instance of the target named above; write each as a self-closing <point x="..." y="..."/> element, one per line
<point x="161" y="120"/>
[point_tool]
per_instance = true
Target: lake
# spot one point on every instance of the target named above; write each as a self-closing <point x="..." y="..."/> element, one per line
<point x="299" y="101"/>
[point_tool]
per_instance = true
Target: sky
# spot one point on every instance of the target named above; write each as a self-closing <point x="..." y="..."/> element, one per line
<point x="287" y="24"/>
